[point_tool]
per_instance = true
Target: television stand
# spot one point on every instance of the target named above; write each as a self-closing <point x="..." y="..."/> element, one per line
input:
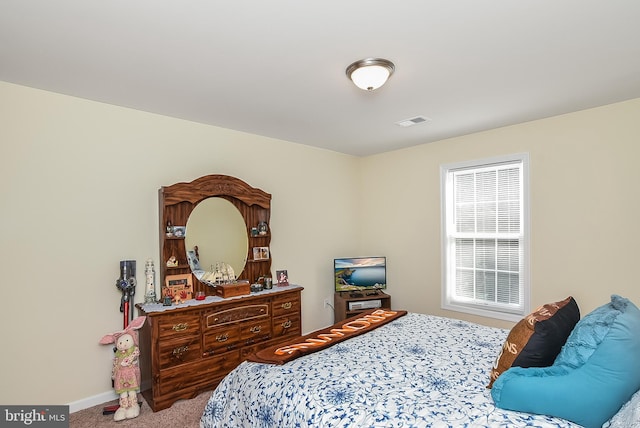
<point x="349" y="303"/>
<point x="368" y="293"/>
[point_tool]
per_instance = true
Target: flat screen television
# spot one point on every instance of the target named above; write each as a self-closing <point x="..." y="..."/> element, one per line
<point x="360" y="273"/>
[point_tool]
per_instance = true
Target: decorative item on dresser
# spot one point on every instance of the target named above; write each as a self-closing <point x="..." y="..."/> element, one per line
<point x="189" y="344"/>
<point x="188" y="349"/>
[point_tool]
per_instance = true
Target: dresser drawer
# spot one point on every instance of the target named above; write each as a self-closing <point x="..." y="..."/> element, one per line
<point x="287" y="325"/>
<point x="206" y="372"/>
<point x="179" y="351"/>
<point x="220" y="340"/>
<point x="254" y="332"/>
<point x="285" y="304"/>
<point x="240" y="313"/>
<point x="173" y="326"/>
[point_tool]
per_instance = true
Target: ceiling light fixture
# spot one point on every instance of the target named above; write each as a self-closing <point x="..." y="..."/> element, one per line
<point x="370" y="73"/>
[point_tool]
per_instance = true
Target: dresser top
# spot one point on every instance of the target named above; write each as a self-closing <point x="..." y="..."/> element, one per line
<point x="149" y="308"/>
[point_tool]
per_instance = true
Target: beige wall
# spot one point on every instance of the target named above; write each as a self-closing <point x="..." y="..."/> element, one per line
<point x="79" y="184"/>
<point x="585" y="206"/>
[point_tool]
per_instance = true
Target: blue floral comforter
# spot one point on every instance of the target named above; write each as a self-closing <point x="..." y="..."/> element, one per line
<point x="417" y="371"/>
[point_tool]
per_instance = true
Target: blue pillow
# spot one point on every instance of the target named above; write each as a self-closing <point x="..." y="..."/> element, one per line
<point x="596" y="372"/>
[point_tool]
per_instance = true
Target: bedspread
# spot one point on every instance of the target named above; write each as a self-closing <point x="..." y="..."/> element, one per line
<point x="417" y="371"/>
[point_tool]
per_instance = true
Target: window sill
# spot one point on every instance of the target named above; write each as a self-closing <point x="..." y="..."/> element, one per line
<point x="505" y="316"/>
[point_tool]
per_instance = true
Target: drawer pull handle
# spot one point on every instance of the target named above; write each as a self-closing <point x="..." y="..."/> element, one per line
<point x="286" y="324"/>
<point x="222" y="337"/>
<point x="180" y="327"/>
<point x="180" y="351"/>
<point x="287" y="305"/>
<point x="255" y="329"/>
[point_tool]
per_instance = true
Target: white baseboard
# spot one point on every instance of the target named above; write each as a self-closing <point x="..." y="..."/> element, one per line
<point x="105" y="397"/>
<point x="85" y="403"/>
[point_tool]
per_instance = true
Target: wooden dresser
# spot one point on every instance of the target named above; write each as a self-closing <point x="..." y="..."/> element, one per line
<point x="187" y="350"/>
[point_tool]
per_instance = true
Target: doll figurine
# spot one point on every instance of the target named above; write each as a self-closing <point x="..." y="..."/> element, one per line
<point x="126" y="372"/>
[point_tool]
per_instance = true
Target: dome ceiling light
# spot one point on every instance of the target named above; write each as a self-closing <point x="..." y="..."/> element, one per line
<point x="370" y="73"/>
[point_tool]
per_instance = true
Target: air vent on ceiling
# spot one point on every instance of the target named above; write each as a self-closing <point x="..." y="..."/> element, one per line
<point x="413" y="121"/>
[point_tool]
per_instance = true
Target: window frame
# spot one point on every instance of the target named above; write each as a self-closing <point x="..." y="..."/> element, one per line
<point x="480" y="308"/>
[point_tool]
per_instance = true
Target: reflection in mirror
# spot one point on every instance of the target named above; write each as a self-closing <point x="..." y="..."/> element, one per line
<point x="217" y="229"/>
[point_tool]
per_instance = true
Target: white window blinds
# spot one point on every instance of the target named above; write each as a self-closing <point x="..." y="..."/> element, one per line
<point x="484" y="237"/>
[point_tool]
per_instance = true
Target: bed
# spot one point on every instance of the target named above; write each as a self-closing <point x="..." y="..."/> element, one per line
<point x="416" y="371"/>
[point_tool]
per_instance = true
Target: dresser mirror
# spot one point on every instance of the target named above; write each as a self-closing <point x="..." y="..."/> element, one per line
<point x="217" y="229"/>
<point x="218" y="213"/>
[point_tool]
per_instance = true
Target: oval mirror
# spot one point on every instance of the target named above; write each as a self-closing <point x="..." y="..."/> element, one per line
<point x="217" y="228"/>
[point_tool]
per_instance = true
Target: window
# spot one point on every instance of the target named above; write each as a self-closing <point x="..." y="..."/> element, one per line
<point x="485" y="214"/>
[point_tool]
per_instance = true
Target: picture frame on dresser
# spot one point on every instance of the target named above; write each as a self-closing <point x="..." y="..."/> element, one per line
<point x="282" y="278"/>
<point x="260" y="253"/>
<point x="178" y="286"/>
<point x="179" y="231"/>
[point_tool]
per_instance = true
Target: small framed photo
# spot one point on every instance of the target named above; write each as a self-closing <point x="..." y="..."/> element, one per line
<point x="282" y="277"/>
<point x="179" y="231"/>
<point x="178" y="287"/>
<point x="260" y="253"/>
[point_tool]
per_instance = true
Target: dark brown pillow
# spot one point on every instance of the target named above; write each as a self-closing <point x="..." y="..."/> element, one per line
<point x="536" y="340"/>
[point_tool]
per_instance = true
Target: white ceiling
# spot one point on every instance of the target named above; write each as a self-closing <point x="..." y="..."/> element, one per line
<point x="277" y="68"/>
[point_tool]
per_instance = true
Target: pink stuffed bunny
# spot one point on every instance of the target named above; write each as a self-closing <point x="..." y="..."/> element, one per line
<point x="126" y="372"/>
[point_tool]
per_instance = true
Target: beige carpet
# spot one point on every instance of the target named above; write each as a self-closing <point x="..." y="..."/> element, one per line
<point x="183" y="414"/>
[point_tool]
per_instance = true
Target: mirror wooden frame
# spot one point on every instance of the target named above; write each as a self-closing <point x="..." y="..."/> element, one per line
<point x="176" y="202"/>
